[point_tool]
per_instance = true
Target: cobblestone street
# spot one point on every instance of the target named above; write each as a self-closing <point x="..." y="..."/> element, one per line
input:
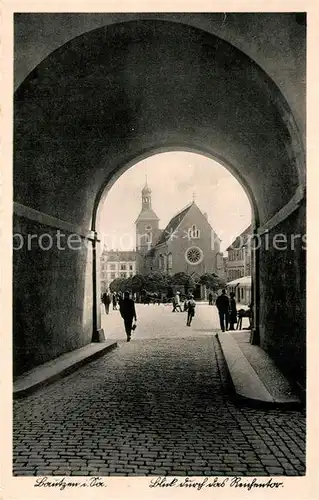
<point x="160" y="405"/>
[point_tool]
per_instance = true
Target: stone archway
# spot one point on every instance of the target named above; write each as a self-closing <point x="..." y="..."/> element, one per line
<point x="82" y="116"/>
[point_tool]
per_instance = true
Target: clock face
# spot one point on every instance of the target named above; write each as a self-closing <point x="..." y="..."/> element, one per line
<point x="194" y="255"/>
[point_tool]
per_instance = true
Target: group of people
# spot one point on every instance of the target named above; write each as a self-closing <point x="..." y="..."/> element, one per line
<point x="226" y="306"/>
<point x="212" y="296"/>
<point x="227" y="310"/>
<point x="114" y="298"/>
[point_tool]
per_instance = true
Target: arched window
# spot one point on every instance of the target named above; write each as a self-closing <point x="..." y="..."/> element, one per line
<point x="193" y="233"/>
<point x="164" y="262"/>
<point x="160" y="261"/>
<point x="170" y="261"/>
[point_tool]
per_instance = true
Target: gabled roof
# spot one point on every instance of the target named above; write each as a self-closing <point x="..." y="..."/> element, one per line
<point x="173" y="224"/>
<point x="240" y="240"/>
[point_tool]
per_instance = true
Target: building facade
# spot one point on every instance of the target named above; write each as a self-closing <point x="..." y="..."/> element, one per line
<point x="116" y="264"/>
<point x="239" y="256"/>
<point x="242" y="289"/>
<point x="188" y="243"/>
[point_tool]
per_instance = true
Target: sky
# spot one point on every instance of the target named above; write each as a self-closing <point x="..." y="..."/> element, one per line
<point x="174" y="178"/>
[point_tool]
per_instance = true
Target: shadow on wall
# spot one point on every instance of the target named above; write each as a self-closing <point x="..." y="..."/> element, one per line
<point x="52" y="299"/>
<point x="283" y="301"/>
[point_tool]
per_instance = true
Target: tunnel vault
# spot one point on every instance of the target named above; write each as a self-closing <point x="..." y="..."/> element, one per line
<point x="117" y="94"/>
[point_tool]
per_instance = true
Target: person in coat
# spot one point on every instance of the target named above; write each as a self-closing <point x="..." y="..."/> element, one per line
<point x="232" y="311"/>
<point x="222" y="304"/>
<point x="128" y="313"/>
<point x="191" y="304"/>
<point x="106" y="300"/>
<point x="114" y="301"/>
<point x="177" y="302"/>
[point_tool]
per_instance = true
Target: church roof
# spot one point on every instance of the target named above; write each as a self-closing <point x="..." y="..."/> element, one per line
<point x="173" y="224"/>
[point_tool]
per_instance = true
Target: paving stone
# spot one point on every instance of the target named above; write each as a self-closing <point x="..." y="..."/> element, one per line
<point x="160" y="404"/>
<point x="271" y="463"/>
<point x="62" y="472"/>
<point x="24" y="472"/>
<point x="275" y="470"/>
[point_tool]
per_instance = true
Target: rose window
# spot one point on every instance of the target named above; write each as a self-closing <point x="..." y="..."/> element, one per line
<point x="194" y="255"/>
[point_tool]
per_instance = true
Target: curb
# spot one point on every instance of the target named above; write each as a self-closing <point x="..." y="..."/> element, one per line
<point x="248" y="387"/>
<point x="67" y="370"/>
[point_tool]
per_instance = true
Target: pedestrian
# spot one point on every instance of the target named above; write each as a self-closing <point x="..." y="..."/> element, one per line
<point x="185" y="304"/>
<point x="128" y="313"/>
<point x="232" y="311"/>
<point x="191" y="304"/>
<point x="119" y="298"/>
<point x="222" y="303"/>
<point x="114" y="301"/>
<point x="177" y="302"/>
<point x="106" y="300"/>
<point x="250" y="316"/>
<point x="210" y="299"/>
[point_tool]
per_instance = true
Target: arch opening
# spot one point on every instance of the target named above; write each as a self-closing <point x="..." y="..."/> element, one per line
<point x="95" y="112"/>
<point x="217" y="212"/>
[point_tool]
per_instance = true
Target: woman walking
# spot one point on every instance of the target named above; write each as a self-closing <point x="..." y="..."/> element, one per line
<point x="128" y="313"/>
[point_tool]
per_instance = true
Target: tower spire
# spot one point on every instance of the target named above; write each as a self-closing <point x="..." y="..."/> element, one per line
<point x="146" y="195"/>
<point x="194" y="196"/>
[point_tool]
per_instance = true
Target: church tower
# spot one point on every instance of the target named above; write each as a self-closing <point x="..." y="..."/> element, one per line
<point x="147" y="230"/>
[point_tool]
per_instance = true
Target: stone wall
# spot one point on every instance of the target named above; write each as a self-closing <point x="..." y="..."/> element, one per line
<point x="52" y="295"/>
<point x="282" y="317"/>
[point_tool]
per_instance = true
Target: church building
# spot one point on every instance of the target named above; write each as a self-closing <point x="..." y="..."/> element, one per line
<point x="188" y="243"/>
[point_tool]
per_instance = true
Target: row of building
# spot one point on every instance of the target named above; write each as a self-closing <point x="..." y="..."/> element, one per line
<point x="188" y="244"/>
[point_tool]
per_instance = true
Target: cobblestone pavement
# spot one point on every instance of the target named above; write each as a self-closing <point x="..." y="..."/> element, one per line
<point x="157" y="406"/>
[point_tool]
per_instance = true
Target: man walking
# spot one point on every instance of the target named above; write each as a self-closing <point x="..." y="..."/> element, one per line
<point x="191" y="304"/>
<point x="114" y="301"/>
<point x="128" y="313"/>
<point x="106" y="301"/>
<point x="222" y="303"/>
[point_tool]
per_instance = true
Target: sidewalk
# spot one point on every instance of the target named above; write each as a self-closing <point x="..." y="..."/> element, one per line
<point x="253" y="373"/>
<point x="57" y="368"/>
